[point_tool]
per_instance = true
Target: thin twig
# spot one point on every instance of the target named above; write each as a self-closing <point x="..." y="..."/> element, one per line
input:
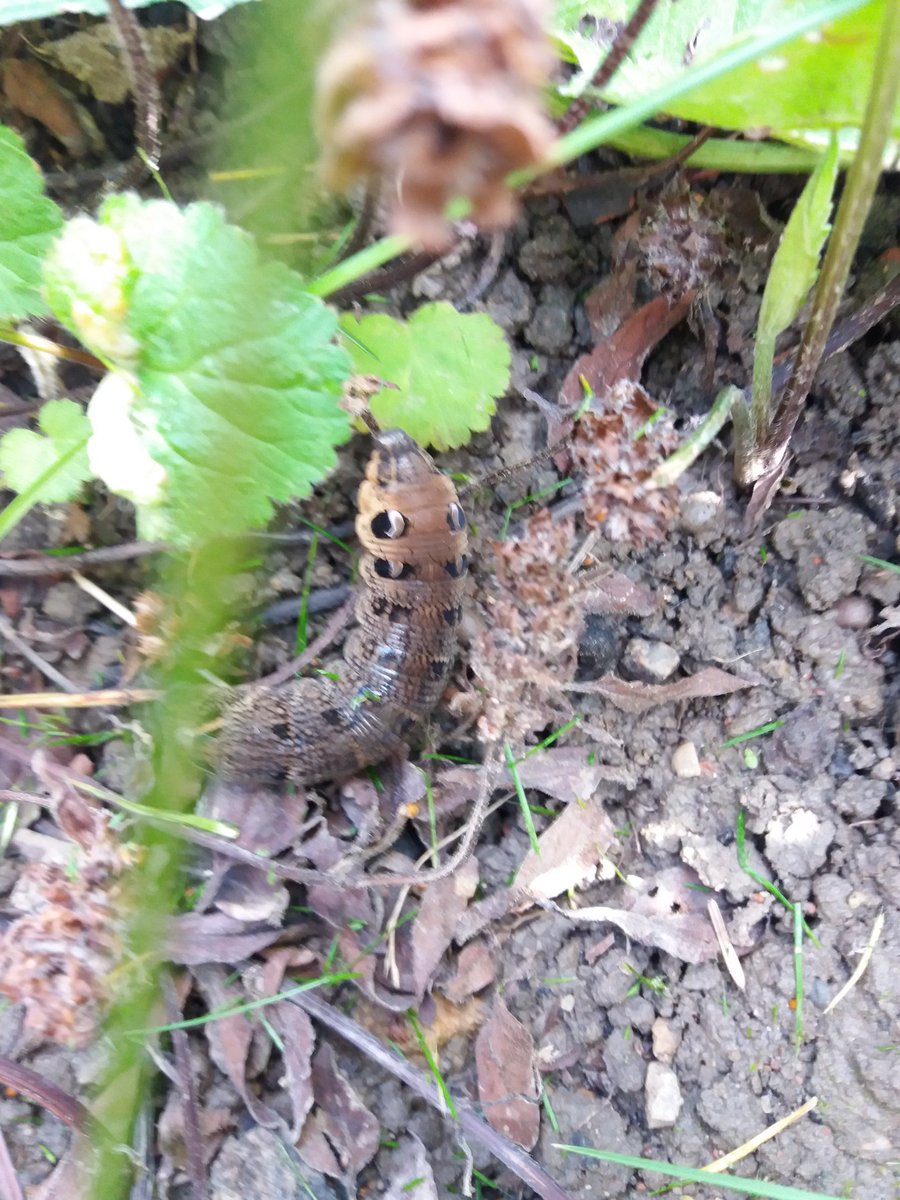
<point x="335" y="624"/>
<point x="65" y="564"/>
<point x="516" y="1159"/>
<point x="46" y="669"/>
<point x="144" y="88"/>
<point x="102" y="698"/>
<point x="617" y="52"/>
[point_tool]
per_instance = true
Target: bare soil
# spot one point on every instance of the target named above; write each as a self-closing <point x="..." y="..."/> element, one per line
<point x="793" y="607"/>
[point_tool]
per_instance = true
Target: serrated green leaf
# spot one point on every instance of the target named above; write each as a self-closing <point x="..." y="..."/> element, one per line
<point x="812" y="85"/>
<point x="447" y="369"/>
<point x="29" y="221"/>
<point x="53" y="465"/>
<point x="238" y="379"/>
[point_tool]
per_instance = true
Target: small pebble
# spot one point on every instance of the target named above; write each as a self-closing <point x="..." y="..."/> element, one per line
<point x="685" y="761"/>
<point x="662" y="1096"/>
<point x="701" y="512"/>
<point x="665" y="1040"/>
<point x="652" y="662"/>
<point x="854" y="612"/>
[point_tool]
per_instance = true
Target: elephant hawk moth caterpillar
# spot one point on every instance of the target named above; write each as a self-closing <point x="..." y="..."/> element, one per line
<point x="412" y="530"/>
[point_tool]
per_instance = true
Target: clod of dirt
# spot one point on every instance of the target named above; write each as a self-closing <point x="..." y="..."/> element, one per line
<point x="797" y="843"/>
<point x="825" y="547"/>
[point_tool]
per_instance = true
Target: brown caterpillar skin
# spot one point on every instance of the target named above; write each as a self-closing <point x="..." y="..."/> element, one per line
<point x="412" y="576"/>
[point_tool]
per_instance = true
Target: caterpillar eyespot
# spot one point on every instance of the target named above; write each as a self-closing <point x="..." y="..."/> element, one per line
<point x="456" y="518"/>
<point x="390" y="524"/>
<point x="412" y="530"/>
<point x="393" y="570"/>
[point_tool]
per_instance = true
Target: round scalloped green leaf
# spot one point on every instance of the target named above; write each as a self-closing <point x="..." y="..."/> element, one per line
<point x="815" y="84"/>
<point x="52" y="465"/>
<point x="446" y="368"/>
<point x="239" y="380"/>
<point x="29" y="221"/>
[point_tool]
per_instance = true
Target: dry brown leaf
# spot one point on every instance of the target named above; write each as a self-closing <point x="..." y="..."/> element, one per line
<point x="435" y="925"/>
<point x="474" y="971"/>
<point x="667" y="912"/>
<point x="341" y="1135"/>
<point x="571" y="851"/>
<point x="230" y="1039"/>
<point x="620" y="358"/>
<point x="564" y="772"/>
<point x="94" y="58"/>
<point x="504" y="1059"/>
<point x="195" y="938"/>
<point x="635" y="697"/>
<point x="30" y="89"/>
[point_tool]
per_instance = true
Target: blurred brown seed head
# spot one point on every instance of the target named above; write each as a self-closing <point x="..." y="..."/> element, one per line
<point x="439" y="99"/>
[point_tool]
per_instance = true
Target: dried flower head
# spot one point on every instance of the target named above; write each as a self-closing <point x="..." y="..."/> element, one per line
<point x="57" y="957"/>
<point x="440" y="98"/>
<point x="529" y="648"/>
<point x="617" y="445"/>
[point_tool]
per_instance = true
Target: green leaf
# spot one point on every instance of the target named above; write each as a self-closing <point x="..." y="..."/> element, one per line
<point x="793" y="272"/>
<point x="28" y="223"/>
<point x="48" y="467"/>
<point x="796" y="262"/>
<point x="810" y="86"/>
<point x="447" y="368"/>
<point x="236" y="380"/>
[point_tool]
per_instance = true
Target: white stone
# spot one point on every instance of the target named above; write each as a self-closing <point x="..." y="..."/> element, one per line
<point x="663" y="1099"/>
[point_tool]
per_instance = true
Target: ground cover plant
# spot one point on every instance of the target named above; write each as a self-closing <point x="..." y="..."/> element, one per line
<point x="609" y="906"/>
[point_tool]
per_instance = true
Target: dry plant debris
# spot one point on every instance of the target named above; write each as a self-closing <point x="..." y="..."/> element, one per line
<point x="440" y="99"/>
<point x="57" y="957"/>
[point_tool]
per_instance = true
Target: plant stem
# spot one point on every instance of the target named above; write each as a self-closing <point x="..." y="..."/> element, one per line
<point x="853" y="209"/>
<point x="690" y="450"/>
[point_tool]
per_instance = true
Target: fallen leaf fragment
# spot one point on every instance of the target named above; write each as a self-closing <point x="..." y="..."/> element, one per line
<point x="636" y="697"/>
<point x="474" y="970"/>
<point x="341" y="1135"/>
<point x="570" y="852"/>
<point x="504" y="1058"/>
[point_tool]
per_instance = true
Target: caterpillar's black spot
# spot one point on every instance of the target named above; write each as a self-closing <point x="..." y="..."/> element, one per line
<point x="392" y="570"/>
<point x="398" y="614"/>
<point x="380" y="605"/>
<point x="438" y="667"/>
<point x="457" y="568"/>
<point x="281" y="730"/>
<point x="453" y="616"/>
<point x="456" y="518"/>
<point x="407" y="724"/>
<point x="332" y="716"/>
<point x="389" y="524"/>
